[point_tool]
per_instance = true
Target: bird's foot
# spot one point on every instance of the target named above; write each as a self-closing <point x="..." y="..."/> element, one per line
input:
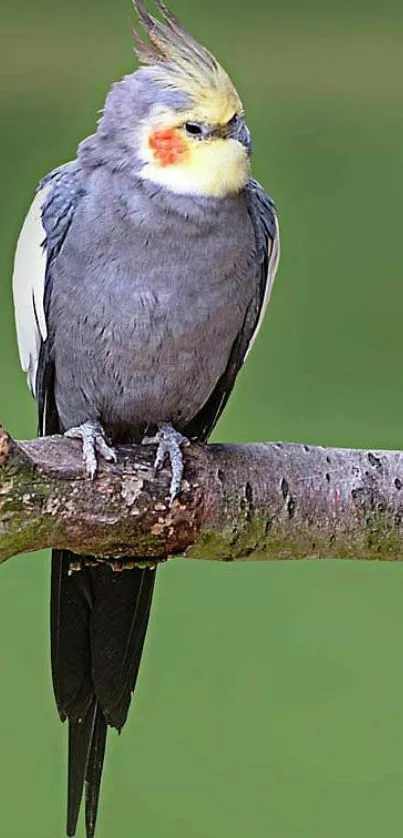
<point x="93" y="438"/>
<point x="170" y="444"/>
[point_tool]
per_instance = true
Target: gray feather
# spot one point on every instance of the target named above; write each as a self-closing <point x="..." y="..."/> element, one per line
<point x="140" y="296"/>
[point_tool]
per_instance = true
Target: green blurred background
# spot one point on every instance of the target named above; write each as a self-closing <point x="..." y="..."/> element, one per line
<point x="270" y="701"/>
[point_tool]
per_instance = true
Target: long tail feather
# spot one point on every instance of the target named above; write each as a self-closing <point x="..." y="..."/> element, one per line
<point x="70" y="611"/>
<point x="81" y="732"/>
<point x="118" y="627"/>
<point x="98" y="623"/>
<point x="94" y="772"/>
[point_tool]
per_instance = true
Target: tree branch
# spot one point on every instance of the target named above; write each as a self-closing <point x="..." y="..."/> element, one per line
<point x="263" y="501"/>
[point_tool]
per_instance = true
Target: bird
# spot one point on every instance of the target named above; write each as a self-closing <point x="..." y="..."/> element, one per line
<point x="141" y="278"/>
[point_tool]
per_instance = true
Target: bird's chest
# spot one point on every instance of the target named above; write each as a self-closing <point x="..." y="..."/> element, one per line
<point x="152" y="317"/>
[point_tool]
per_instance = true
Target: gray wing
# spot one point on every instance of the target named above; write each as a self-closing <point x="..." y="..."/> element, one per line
<point x="63" y="191"/>
<point x="264" y="219"/>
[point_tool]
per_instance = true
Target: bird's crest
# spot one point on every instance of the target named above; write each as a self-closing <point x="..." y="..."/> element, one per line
<point x="181" y="63"/>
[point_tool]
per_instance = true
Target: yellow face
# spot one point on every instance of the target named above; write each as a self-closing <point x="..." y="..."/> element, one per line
<point x="205" y="151"/>
<point x="201" y="152"/>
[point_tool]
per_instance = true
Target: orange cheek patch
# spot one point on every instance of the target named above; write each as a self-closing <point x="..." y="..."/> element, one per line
<point x="168" y="146"/>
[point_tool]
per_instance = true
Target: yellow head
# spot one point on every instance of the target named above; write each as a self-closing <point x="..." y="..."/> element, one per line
<point x="201" y="146"/>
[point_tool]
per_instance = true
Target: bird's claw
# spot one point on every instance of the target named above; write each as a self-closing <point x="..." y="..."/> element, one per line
<point x="94" y="443"/>
<point x="170" y="444"/>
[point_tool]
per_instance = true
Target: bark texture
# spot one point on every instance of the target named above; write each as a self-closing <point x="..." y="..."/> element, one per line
<point x="262" y="501"/>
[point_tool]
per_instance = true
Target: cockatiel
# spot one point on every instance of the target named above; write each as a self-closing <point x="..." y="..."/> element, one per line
<point x="142" y="274"/>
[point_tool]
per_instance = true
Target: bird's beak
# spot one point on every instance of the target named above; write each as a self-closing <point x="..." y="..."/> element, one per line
<point x="240" y="132"/>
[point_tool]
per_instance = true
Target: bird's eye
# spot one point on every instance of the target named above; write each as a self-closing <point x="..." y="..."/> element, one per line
<point x="233" y="121"/>
<point x="194" y="129"/>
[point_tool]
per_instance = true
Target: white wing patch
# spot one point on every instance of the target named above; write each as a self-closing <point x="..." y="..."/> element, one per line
<point x="29" y="287"/>
<point x="274" y="258"/>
